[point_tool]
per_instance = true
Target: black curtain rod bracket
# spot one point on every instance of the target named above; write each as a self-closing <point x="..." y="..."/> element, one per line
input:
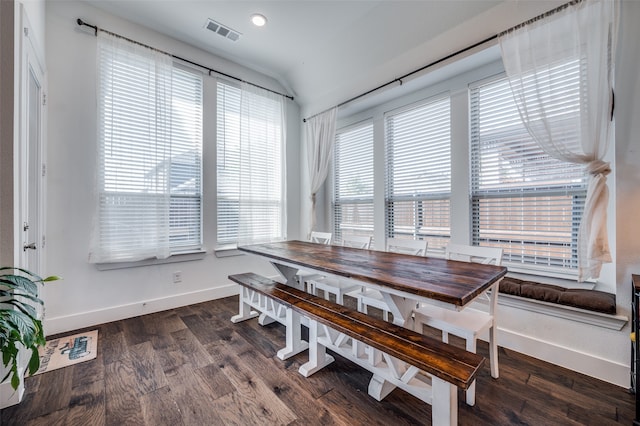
<point x="80" y="22"/>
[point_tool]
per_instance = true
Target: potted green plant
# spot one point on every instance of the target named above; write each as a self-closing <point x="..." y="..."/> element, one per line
<point x="19" y="323"/>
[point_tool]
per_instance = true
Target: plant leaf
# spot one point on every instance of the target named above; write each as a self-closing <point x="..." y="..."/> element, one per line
<point x="21" y="283"/>
<point x="34" y="362"/>
<point x="26" y="296"/>
<point x="22" y="322"/>
<point x="24" y="271"/>
<point x="52" y="278"/>
<point x="25" y="308"/>
<point x="15" y="379"/>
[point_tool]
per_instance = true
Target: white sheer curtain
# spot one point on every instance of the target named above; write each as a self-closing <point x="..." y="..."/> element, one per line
<point x="581" y="38"/>
<point x="134" y="152"/>
<point x="262" y="195"/>
<point x="321" y="136"/>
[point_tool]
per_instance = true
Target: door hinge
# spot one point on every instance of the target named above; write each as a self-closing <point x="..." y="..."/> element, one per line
<point x="44" y="240"/>
<point x="26" y="32"/>
<point x="44" y="99"/>
<point x="44" y="170"/>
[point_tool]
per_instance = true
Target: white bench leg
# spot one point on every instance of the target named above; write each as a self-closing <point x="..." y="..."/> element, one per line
<point x="380" y="388"/>
<point x="294" y="344"/>
<point x="318" y="357"/>
<point x="265" y="319"/>
<point x="244" y="310"/>
<point x="444" y="408"/>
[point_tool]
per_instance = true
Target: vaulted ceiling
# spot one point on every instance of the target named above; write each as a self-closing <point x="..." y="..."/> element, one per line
<point x="323" y="51"/>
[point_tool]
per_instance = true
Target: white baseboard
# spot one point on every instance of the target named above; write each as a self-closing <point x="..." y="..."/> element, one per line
<point x="115" y="313"/>
<point x="600" y="368"/>
<point x="603" y="369"/>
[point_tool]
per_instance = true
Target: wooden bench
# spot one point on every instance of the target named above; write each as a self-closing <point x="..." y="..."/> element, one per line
<point x="398" y="357"/>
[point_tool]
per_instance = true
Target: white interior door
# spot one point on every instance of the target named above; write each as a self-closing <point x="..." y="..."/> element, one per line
<point x="32" y="155"/>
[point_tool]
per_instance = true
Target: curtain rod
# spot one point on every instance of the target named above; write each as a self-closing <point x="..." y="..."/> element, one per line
<point x="451" y="55"/>
<point x="209" y="69"/>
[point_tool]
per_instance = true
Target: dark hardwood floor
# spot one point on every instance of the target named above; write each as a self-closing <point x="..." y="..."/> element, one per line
<point x="192" y="366"/>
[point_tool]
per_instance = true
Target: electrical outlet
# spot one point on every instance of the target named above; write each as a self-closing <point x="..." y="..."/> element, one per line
<point x="177" y="277"/>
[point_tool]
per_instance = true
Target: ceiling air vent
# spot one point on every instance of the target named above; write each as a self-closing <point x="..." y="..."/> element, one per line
<point x="222" y="30"/>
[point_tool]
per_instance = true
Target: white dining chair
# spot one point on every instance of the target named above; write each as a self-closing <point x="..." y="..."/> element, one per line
<point x="320" y="237"/>
<point x="469" y="322"/>
<point x="368" y="297"/>
<point x="303" y="276"/>
<point x="340" y="286"/>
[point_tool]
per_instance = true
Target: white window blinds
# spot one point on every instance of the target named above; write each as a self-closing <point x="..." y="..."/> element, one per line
<point x="523" y="200"/>
<point x="185" y="216"/>
<point x="418" y="149"/>
<point x="353" y="181"/>
<point x="228" y="163"/>
<point x="250" y="166"/>
<point x="150" y="149"/>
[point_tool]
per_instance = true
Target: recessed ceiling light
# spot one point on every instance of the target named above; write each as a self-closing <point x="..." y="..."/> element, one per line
<point x="258" y="20"/>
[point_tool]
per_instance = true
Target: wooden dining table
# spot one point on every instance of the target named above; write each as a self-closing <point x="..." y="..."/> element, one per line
<point x="403" y="280"/>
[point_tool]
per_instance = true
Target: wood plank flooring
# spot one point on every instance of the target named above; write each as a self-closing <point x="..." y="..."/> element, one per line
<point x="192" y="366"/>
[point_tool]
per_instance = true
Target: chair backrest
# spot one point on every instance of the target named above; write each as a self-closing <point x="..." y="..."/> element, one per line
<point x="320" y="237"/>
<point x="406" y="246"/>
<point x="476" y="254"/>
<point x="356" y="241"/>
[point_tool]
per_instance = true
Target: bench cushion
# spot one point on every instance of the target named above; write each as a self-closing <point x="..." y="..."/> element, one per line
<point x="592" y="300"/>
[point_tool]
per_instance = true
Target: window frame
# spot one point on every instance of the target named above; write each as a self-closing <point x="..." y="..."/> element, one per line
<point x="526" y="192"/>
<point x="425" y="197"/>
<point x="366" y="201"/>
<point x="177" y="250"/>
<point x="228" y="246"/>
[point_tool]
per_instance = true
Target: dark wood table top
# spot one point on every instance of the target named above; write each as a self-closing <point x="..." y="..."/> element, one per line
<point x="449" y="281"/>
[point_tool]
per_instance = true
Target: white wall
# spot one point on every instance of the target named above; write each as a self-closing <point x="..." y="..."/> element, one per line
<point x="87" y="296"/>
<point x="593" y="350"/>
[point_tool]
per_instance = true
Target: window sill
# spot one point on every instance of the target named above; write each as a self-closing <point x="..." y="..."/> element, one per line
<point x="174" y="258"/>
<point x="613" y="322"/>
<point x="228" y="251"/>
<point x="566" y="278"/>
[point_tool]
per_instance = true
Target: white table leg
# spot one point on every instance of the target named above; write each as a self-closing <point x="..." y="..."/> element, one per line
<point x="289" y="274"/>
<point x="294" y="342"/>
<point x="400" y="307"/>
<point x="318" y="357"/>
